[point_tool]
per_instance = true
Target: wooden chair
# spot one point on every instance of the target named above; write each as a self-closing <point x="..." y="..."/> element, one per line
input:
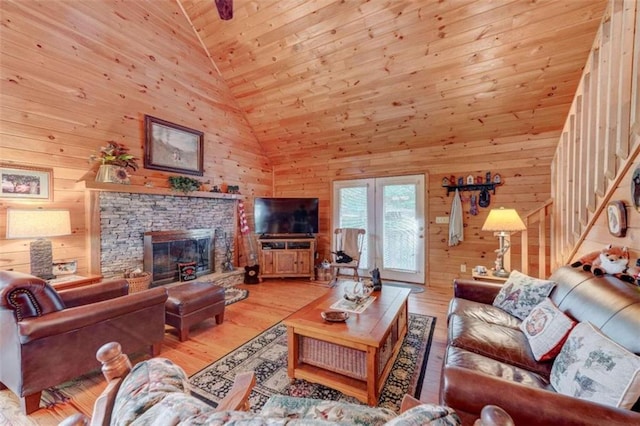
<point x="351" y="241"/>
<point x="116" y="366"/>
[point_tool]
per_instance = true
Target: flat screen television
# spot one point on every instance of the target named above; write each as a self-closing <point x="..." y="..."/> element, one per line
<point x="284" y="216"/>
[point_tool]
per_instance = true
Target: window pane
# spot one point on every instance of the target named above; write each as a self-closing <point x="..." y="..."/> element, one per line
<point x="399" y="234"/>
<point x="353" y="214"/>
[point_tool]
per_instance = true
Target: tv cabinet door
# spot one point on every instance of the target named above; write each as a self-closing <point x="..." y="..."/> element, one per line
<point x="304" y="263"/>
<point x="286" y="262"/>
<point x="266" y="263"/>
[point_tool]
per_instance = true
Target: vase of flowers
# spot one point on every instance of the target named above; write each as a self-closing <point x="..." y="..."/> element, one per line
<point x="115" y="159"/>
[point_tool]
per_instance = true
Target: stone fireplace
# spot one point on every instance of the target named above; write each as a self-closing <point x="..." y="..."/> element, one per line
<point x="125" y="218"/>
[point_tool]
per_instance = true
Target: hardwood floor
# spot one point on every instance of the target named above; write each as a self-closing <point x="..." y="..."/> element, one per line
<point x="268" y="303"/>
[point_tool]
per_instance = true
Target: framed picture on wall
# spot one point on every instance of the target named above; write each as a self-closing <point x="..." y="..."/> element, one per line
<point x="172" y="148"/>
<point x="617" y="218"/>
<point x="24" y="182"/>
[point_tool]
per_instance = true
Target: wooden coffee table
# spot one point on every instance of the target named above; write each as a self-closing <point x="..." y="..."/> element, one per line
<point x="355" y="356"/>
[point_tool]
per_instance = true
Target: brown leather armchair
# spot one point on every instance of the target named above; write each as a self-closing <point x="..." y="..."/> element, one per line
<point x="49" y="337"/>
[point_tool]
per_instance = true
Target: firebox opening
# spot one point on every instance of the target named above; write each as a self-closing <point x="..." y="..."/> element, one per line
<point x="164" y="250"/>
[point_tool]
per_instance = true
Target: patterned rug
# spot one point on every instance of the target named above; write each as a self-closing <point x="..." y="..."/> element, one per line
<point x="233" y="295"/>
<point x="266" y="355"/>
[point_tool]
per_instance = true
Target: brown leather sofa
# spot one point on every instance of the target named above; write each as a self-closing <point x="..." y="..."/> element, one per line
<point x="488" y="359"/>
<point x="49" y="337"/>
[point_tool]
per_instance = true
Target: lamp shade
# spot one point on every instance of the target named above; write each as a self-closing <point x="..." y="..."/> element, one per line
<point x="37" y="223"/>
<point x="503" y="220"/>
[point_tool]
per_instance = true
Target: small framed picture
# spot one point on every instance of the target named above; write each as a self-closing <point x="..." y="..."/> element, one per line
<point x="617" y="218"/>
<point x="25" y="182"/>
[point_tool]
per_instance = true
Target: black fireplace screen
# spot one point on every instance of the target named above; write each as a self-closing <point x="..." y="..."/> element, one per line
<point x="163" y="254"/>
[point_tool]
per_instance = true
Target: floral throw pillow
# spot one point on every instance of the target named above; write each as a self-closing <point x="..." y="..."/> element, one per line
<point x="590" y="366"/>
<point x="546" y="328"/>
<point x="521" y="293"/>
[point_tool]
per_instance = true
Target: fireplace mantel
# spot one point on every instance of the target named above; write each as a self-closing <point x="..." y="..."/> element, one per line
<point x="137" y="189"/>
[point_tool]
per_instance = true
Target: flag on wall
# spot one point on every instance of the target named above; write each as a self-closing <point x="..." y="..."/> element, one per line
<point x="244" y="226"/>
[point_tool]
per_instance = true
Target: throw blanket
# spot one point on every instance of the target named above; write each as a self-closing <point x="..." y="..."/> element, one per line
<point x="455" y="222"/>
<point x="349" y="242"/>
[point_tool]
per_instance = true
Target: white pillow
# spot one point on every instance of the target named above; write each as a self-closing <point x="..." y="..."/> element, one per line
<point x="546" y="328"/>
<point x="521" y="293"/>
<point x="590" y="366"/>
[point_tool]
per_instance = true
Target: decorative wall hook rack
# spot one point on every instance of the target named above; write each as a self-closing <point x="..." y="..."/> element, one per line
<point x="474" y="187"/>
<point x="471" y="183"/>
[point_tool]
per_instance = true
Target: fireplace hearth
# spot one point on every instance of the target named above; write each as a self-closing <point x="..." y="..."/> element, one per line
<point x="164" y="250"/>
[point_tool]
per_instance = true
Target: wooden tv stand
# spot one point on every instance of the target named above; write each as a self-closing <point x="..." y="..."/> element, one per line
<point x="287" y="257"/>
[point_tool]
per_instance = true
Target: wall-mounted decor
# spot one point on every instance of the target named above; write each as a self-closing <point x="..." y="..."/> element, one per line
<point x="23" y="182"/>
<point x="187" y="271"/>
<point x="635" y="189"/>
<point x="64" y="267"/>
<point x="172" y="147"/>
<point x="617" y="218"/>
<point x="479" y="183"/>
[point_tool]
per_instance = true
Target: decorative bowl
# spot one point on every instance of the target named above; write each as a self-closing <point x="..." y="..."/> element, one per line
<point x="334" y="316"/>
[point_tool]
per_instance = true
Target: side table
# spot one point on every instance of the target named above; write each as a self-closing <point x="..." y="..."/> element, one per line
<point x="488" y="277"/>
<point x="71" y="281"/>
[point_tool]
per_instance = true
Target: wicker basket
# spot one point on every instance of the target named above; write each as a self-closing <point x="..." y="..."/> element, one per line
<point x="139" y="283"/>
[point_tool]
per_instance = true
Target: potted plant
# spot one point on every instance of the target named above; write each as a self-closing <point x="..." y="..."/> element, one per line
<point x="184" y="184"/>
<point x="115" y="159"/>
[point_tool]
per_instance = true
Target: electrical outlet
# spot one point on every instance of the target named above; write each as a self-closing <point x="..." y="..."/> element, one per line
<point x="442" y="219"/>
<point x="463" y="267"/>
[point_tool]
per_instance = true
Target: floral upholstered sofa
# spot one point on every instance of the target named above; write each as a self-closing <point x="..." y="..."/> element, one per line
<point x="156" y="391"/>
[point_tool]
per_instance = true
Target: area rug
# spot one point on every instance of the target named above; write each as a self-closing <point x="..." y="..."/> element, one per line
<point x="415" y="288"/>
<point x="233" y="295"/>
<point x="266" y="355"/>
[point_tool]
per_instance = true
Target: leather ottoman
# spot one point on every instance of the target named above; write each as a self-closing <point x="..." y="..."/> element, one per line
<point x="191" y="303"/>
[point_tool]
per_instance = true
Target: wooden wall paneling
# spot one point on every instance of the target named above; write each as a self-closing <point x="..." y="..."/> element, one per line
<point x="76" y="76"/>
<point x="526" y="176"/>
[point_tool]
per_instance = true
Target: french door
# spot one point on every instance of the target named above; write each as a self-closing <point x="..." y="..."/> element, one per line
<point x="391" y="210"/>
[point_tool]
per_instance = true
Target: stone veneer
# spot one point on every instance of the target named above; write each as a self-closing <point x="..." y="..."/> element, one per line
<point x="125" y="217"/>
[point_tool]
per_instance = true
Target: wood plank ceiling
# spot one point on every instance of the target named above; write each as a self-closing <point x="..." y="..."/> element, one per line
<point x="351" y="77"/>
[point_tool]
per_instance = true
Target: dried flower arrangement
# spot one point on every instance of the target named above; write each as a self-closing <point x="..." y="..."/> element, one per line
<point x="116" y="154"/>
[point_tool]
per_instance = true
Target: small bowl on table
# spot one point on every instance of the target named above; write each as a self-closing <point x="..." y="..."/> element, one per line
<point x="334" y="316"/>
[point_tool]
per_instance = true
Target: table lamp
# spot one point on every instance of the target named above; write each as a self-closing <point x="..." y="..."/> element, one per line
<point x="38" y="223"/>
<point x="503" y="222"/>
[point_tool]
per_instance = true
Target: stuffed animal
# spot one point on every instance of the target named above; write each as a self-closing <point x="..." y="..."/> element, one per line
<point x="612" y="260"/>
<point x="632" y="274"/>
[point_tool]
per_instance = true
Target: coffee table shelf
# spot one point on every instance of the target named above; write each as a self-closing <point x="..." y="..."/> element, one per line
<point x="355" y="356"/>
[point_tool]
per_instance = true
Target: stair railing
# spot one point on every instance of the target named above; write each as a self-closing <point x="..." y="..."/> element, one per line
<point x="539" y="219"/>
